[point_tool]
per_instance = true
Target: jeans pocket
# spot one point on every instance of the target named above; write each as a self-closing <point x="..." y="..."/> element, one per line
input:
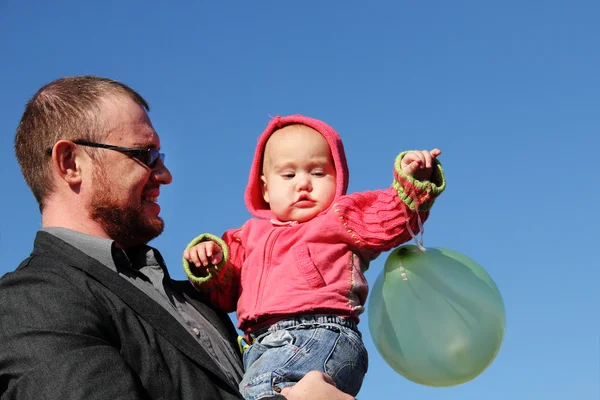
<point x="307" y="267"/>
<point x="265" y="364"/>
<point x="272" y="348"/>
<point x="348" y="362"/>
<point x="357" y="342"/>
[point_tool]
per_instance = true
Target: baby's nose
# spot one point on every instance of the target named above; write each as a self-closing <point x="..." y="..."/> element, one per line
<point x="304" y="184"/>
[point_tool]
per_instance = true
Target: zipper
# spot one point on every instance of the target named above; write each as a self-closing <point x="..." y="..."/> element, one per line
<point x="264" y="271"/>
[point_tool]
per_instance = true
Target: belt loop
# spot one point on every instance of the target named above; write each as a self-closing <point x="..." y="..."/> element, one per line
<point x="243" y="347"/>
<point x="249" y="338"/>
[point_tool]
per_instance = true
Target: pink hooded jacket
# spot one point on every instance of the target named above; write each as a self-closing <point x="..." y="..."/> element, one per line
<point x="272" y="270"/>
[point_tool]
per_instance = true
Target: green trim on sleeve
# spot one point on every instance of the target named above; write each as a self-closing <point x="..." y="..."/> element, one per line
<point x="426" y="191"/>
<point x="212" y="270"/>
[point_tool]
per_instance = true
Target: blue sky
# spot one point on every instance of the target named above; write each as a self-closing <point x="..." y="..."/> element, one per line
<point x="510" y="91"/>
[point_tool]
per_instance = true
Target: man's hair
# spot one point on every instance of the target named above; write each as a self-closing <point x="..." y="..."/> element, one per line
<point x="67" y="108"/>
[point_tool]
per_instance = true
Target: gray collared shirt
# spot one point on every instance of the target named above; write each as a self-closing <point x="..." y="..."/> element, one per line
<point x="144" y="267"/>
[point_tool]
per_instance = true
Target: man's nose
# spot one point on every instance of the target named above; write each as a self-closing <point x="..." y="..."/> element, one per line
<point x="161" y="174"/>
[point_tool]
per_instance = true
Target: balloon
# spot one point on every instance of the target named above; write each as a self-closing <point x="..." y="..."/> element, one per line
<point x="436" y="317"/>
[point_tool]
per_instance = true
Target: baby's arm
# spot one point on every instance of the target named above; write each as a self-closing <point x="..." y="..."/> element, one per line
<point x="204" y="254"/>
<point x="419" y="164"/>
<point x="213" y="265"/>
<point x="377" y="221"/>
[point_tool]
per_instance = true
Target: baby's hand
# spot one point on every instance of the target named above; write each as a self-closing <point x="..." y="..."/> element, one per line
<point x="419" y="163"/>
<point x="204" y="254"/>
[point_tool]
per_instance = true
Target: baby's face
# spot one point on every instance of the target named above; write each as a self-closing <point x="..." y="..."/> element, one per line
<point x="298" y="173"/>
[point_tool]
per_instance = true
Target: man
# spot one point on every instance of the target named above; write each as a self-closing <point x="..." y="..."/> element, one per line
<point x="93" y="313"/>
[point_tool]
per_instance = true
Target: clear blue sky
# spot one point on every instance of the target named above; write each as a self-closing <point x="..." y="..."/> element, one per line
<point x="510" y="91"/>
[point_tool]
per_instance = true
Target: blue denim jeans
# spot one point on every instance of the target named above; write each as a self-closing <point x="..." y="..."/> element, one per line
<point x="285" y="351"/>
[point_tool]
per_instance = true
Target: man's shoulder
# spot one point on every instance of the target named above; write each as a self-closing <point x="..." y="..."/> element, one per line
<point x="48" y="256"/>
<point x="38" y="271"/>
<point x="48" y="271"/>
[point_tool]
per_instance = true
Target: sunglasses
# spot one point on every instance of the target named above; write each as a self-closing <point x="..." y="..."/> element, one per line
<point x="147" y="156"/>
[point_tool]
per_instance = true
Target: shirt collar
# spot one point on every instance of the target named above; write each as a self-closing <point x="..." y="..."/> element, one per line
<point x="106" y="250"/>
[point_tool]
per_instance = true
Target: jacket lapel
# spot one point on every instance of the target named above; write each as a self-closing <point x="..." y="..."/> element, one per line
<point x="150" y="311"/>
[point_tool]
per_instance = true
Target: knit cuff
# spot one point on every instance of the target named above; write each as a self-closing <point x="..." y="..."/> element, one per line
<point x="219" y="271"/>
<point x="412" y="191"/>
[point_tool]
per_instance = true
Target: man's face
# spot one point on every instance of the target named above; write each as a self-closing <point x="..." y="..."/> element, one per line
<point x="125" y="190"/>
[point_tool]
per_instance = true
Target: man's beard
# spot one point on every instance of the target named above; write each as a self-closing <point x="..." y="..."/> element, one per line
<point x="127" y="225"/>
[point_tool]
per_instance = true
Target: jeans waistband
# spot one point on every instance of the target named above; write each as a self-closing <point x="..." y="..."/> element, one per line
<point x="308" y="320"/>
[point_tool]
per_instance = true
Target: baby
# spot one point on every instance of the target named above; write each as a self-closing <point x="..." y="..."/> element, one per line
<point x="294" y="273"/>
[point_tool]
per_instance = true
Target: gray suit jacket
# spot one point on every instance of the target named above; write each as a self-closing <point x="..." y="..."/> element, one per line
<point x="70" y="328"/>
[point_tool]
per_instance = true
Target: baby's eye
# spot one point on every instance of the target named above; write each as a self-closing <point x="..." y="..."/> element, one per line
<point x="318" y="173"/>
<point x="288" y="175"/>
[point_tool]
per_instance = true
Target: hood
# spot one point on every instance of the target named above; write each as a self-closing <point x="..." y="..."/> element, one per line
<point x="255" y="203"/>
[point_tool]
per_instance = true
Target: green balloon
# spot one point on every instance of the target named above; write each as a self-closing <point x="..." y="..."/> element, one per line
<point x="436" y="317"/>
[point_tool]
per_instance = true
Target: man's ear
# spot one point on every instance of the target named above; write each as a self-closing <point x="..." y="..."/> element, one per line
<point x="263" y="188"/>
<point x="67" y="162"/>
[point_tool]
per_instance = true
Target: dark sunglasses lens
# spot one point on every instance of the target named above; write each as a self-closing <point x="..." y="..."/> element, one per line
<point x="153" y="156"/>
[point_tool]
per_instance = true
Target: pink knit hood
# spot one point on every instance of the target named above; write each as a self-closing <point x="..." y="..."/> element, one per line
<point x="255" y="203"/>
